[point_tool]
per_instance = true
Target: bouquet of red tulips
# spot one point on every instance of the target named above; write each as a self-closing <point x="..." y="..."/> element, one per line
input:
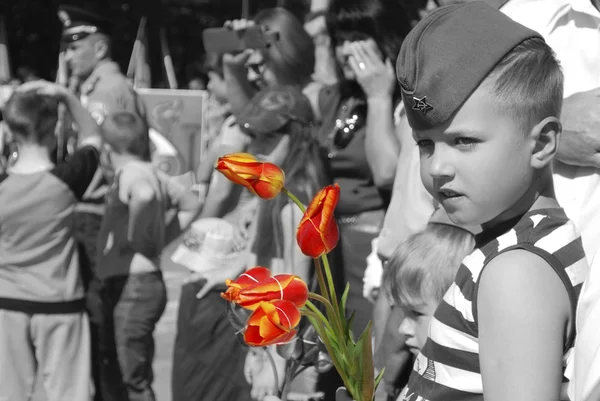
<point x="278" y="302"/>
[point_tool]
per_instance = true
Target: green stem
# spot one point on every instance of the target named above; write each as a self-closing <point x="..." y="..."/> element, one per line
<point x="321" y="299"/>
<point x="315" y="312"/>
<point x="322" y="334"/>
<point x="332" y="294"/>
<point x="331" y="312"/>
<point x="294" y="199"/>
<point x="321" y="279"/>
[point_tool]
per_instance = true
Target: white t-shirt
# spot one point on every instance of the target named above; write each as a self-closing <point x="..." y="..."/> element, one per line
<point x="572" y="29"/>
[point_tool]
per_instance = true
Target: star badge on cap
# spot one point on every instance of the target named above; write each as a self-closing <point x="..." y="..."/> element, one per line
<point x="422" y="105"/>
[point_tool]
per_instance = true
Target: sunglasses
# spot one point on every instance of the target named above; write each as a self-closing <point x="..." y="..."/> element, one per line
<point x="257" y="68"/>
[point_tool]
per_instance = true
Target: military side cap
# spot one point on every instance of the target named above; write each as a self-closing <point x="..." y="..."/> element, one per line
<point x="447" y="55"/>
<point x="273" y="108"/>
<point x="79" y="23"/>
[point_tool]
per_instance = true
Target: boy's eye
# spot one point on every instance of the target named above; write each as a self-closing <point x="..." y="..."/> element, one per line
<point x="418" y="313"/>
<point x="424" y="143"/>
<point x="463" y="141"/>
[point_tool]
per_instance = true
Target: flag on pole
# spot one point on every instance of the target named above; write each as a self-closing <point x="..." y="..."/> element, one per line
<point x="62" y="78"/>
<point x="245" y="9"/>
<point x="5" y="74"/>
<point x="139" y="70"/>
<point x="167" y="61"/>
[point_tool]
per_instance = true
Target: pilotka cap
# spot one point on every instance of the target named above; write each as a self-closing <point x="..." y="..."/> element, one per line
<point x="448" y="54"/>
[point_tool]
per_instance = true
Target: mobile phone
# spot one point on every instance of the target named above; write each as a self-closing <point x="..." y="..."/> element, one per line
<point x="227" y="40"/>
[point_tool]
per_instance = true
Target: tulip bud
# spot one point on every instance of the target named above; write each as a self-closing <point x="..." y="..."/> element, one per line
<point x="261" y="178"/>
<point x="318" y="233"/>
<point x="272" y="323"/>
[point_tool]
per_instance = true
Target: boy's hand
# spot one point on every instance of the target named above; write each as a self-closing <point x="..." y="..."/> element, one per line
<point x="45" y="88"/>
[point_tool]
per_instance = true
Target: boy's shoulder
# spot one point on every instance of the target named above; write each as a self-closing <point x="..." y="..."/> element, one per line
<point x="548" y="233"/>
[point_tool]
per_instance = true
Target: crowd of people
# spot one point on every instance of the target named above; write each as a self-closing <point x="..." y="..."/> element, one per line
<point x="463" y="138"/>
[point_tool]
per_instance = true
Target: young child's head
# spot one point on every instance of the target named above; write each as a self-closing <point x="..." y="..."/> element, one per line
<point x="420" y="271"/>
<point x="31" y="118"/>
<point x="126" y="133"/>
<point x="483" y="95"/>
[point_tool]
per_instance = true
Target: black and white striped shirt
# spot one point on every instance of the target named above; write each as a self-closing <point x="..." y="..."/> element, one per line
<point x="448" y="368"/>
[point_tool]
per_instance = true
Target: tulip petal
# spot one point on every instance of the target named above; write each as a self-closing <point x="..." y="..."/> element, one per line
<point x="330" y="201"/>
<point x="282" y="286"/>
<point x="253" y="276"/>
<point x="247" y="279"/>
<point x="317" y="232"/>
<point x="272" y="323"/>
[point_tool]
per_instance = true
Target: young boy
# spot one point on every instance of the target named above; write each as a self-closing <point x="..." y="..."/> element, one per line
<point x="420" y="271"/>
<point x="131" y="240"/>
<point x="44" y="330"/>
<point x="417" y="275"/>
<point x="483" y="95"/>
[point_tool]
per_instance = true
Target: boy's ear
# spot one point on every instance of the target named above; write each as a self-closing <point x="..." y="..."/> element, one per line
<point x="546" y="135"/>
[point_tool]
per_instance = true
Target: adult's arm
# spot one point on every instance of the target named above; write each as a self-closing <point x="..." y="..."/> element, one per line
<point x="580" y="140"/>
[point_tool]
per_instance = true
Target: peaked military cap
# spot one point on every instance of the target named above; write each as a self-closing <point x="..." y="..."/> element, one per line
<point x="448" y="54"/>
<point x="272" y="108"/>
<point x="79" y="23"/>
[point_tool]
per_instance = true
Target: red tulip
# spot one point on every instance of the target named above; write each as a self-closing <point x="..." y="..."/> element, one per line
<point x="261" y="178"/>
<point x="272" y="323"/>
<point x="247" y="279"/>
<point x="318" y="232"/>
<point x="280" y="287"/>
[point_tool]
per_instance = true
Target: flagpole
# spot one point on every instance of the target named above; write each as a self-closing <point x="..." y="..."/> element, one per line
<point x="168" y="62"/>
<point x="245" y="9"/>
<point x="61" y="79"/>
<point x="5" y="70"/>
<point x="131" y="69"/>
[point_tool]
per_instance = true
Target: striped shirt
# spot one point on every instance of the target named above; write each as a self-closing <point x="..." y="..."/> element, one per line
<point x="447" y="368"/>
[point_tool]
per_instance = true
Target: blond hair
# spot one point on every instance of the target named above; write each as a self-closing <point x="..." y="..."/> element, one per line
<point x="423" y="267"/>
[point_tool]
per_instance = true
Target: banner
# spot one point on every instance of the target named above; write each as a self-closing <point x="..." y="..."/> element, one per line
<point x="176" y="118"/>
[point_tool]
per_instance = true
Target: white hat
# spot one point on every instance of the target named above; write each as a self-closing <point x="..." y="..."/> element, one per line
<point x="209" y="244"/>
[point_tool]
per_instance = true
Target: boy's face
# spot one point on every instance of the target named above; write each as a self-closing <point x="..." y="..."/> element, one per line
<point x="415" y="325"/>
<point x="478" y="165"/>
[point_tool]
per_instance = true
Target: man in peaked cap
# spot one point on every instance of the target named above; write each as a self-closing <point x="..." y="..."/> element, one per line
<point x="103" y="90"/>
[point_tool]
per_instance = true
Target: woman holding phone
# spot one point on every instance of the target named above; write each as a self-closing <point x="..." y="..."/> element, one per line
<point x="209" y="359"/>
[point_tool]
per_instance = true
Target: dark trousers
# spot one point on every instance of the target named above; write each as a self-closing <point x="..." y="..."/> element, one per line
<point x="106" y="371"/>
<point x="134" y="305"/>
<point x="208" y="357"/>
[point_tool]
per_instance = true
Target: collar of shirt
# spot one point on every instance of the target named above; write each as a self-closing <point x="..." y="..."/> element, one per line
<point x="103" y="68"/>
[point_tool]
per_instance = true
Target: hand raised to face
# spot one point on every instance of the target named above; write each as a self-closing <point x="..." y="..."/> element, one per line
<point x="375" y="75"/>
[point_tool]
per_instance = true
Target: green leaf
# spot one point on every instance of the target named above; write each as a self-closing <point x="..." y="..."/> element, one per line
<point x="348" y="328"/>
<point x="378" y="379"/>
<point x="344" y="299"/>
<point x="364" y="356"/>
